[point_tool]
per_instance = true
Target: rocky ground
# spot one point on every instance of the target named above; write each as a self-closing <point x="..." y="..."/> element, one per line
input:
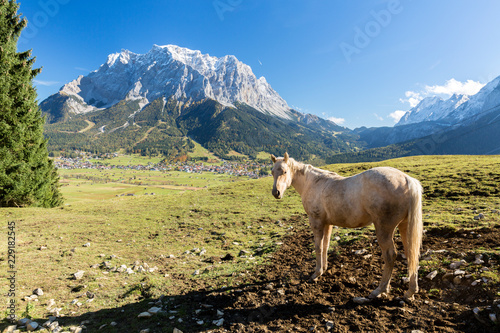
<point x="458" y="280"/>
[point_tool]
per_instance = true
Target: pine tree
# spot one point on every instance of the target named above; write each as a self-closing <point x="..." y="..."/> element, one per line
<point x="27" y="176"/>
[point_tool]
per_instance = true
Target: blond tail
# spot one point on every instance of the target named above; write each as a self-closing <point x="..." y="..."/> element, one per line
<point x="414" y="233"/>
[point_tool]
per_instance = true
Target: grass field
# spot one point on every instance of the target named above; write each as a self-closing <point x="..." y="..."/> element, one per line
<point x="94" y="184"/>
<point x="222" y="217"/>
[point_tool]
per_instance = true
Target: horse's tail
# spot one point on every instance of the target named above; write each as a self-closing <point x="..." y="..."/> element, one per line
<point x="414" y="232"/>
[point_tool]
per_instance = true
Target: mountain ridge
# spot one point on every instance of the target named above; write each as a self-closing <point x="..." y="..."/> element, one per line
<point x="165" y="71"/>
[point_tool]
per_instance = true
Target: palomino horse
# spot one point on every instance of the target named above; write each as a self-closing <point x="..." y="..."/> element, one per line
<point x="384" y="196"/>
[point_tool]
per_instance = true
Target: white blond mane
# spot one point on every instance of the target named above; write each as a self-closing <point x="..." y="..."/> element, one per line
<point x="302" y="168"/>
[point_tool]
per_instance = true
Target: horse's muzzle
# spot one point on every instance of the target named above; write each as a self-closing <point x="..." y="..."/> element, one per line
<point x="276" y="194"/>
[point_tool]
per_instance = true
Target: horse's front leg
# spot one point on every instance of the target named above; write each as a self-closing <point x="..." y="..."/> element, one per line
<point x="322" y="234"/>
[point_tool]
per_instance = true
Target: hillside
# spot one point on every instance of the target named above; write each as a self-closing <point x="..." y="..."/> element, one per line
<point x="167" y="127"/>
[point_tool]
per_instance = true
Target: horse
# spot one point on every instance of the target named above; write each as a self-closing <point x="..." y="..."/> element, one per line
<point x="384" y="196"/>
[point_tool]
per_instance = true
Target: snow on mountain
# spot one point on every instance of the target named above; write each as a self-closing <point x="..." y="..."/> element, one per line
<point x="455" y="109"/>
<point x="173" y="71"/>
<point x="432" y="109"/>
<point x="485" y="101"/>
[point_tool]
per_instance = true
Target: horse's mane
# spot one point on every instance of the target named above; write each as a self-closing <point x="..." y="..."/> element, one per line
<point x="297" y="166"/>
<point x="302" y="168"/>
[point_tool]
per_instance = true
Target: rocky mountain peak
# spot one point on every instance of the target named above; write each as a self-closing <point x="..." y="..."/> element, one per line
<point x="172" y="71"/>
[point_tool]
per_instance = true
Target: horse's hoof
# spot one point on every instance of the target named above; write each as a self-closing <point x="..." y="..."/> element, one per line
<point x="313" y="279"/>
<point x="377" y="294"/>
<point x="409" y="297"/>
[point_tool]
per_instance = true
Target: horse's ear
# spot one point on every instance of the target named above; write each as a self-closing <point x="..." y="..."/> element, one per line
<point x="286" y="157"/>
<point x="273" y="158"/>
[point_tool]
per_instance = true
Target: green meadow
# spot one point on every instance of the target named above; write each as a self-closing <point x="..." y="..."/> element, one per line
<point x="94" y="184"/>
<point x="208" y="215"/>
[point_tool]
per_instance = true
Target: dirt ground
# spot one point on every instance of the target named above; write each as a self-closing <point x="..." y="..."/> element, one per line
<point x="277" y="297"/>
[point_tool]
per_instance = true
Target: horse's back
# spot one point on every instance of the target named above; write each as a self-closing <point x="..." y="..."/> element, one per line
<point x="384" y="179"/>
<point x="385" y="191"/>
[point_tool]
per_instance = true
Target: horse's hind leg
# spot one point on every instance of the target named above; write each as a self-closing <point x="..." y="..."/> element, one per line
<point x="403" y="231"/>
<point x="385" y="239"/>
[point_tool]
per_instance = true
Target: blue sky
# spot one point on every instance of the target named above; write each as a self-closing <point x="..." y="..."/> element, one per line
<point x="360" y="63"/>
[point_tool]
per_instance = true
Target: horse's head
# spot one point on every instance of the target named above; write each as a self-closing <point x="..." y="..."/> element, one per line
<point x="282" y="175"/>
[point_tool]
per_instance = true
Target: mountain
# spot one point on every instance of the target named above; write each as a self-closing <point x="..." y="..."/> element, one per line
<point x="459" y="125"/>
<point x="479" y="136"/>
<point x="432" y="109"/>
<point x="160" y="101"/>
<point x="166" y="71"/>
<point x="434" y="116"/>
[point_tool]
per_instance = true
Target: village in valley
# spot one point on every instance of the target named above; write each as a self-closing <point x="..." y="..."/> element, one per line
<point x="251" y="169"/>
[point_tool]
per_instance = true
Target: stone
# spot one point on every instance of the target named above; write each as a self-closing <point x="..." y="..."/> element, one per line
<point x="457" y="280"/>
<point x="218" y="322"/>
<point x="361" y="300"/>
<point x="32" y="326"/>
<point x="121" y="269"/>
<point x="129" y="271"/>
<point x="456" y="264"/>
<point x="281" y="292"/>
<point x="23" y="321"/>
<point x="329" y="325"/>
<point x="196" y="272"/>
<point x="493" y="318"/>
<point x="78" y="275"/>
<point x="459" y="272"/>
<point x="200" y="322"/>
<point x="86" y="245"/>
<point x="38" y="291"/>
<point x="146" y="330"/>
<point x="220" y="313"/>
<point x="270" y="286"/>
<point x="154" y="310"/>
<point x="243" y="253"/>
<point x="176" y="330"/>
<point x="360" y="252"/>
<point x="475" y="282"/>
<point x="144" y="315"/>
<point x="432" y="275"/>
<point x="10" y="329"/>
<point x="448" y="277"/>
